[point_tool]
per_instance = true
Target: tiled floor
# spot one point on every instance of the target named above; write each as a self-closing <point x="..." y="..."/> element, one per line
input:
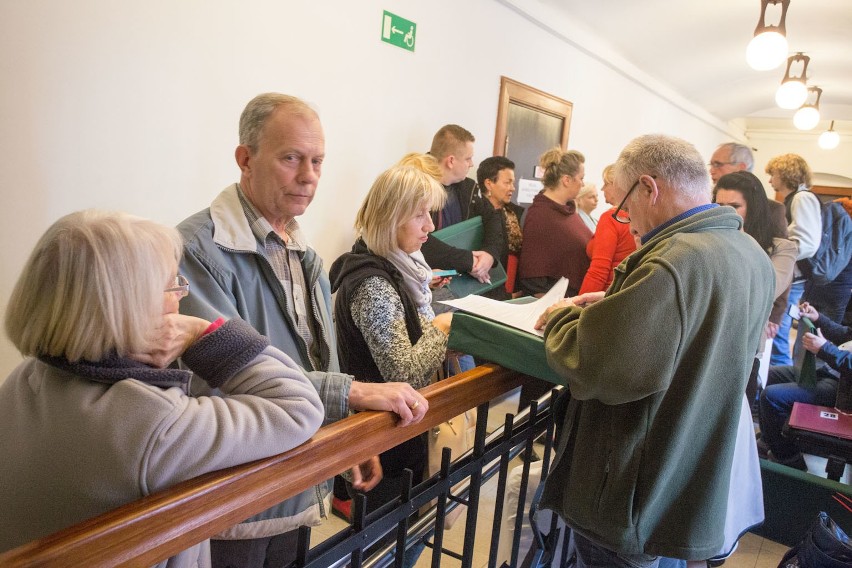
<point x="752" y="552"/>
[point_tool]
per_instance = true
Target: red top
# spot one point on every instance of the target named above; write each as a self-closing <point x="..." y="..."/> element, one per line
<point x="214" y="326"/>
<point x="611" y="244"/>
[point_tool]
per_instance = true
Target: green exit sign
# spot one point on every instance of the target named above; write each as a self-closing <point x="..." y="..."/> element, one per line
<point x="398" y="31"/>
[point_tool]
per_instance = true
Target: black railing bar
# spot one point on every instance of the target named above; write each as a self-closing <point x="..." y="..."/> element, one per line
<point x="446" y="551"/>
<point x="441" y="510"/>
<point x="475" y="486"/>
<point x="502" y="478"/>
<point x="522" y="491"/>
<point x="402" y="528"/>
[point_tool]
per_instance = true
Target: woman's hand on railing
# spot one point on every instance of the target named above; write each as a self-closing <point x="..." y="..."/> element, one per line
<point x="399" y="398"/>
<point x="366" y="475"/>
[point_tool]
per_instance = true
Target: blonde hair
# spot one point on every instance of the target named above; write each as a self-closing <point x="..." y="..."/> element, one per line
<point x="93" y="284"/>
<point x="792" y="169"/>
<point x="608" y="174"/>
<point x="557" y="163"/>
<point x="392" y="200"/>
<point x="423" y="162"/>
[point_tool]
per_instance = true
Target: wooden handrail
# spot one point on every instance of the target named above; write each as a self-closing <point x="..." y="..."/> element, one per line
<point x="156" y="527"/>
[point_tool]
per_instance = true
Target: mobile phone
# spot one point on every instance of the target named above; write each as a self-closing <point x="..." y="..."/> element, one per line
<point x="445" y="273"/>
<point x="793" y="311"/>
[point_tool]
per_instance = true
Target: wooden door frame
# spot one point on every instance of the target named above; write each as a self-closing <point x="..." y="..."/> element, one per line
<point x="512" y="91"/>
<point x="832" y="190"/>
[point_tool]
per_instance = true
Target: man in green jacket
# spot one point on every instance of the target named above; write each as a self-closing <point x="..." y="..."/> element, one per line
<point x="657" y="367"/>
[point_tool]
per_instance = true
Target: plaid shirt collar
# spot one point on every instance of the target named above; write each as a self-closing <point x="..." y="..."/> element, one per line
<point x="262" y="228"/>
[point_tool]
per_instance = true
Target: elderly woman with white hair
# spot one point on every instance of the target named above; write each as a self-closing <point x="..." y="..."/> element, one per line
<point x="587" y="201"/>
<point x="95" y="417"/>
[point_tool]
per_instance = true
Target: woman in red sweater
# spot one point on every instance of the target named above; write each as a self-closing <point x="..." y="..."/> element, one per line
<point x="555" y="236"/>
<point x="611" y="243"/>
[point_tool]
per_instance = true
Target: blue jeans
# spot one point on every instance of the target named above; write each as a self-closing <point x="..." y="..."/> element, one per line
<point x="781" y="344"/>
<point x="591" y="555"/>
<point x="776" y="404"/>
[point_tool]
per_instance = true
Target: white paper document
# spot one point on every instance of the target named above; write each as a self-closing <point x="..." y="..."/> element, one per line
<point x="528" y="189"/>
<point x="520" y="316"/>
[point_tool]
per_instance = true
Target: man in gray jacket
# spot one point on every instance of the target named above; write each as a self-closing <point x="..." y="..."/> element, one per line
<point x="246" y="256"/>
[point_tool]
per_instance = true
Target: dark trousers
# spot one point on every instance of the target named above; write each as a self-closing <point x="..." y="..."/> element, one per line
<point x="271" y="552"/>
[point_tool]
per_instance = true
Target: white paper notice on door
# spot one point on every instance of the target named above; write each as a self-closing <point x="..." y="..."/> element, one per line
<point x="527" y="189"/>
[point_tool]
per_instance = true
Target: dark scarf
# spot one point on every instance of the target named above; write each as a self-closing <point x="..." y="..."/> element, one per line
<point x="113" y="368"/>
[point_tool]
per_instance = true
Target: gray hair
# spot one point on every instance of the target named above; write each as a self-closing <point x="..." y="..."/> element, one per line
<point x="739" y="154"/>
<point x="93" y="285"/>
<point x="668" y="158"/>
<point x="259" y="109"/>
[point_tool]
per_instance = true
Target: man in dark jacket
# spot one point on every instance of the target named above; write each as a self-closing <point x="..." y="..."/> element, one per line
<point x="452" y="146"/>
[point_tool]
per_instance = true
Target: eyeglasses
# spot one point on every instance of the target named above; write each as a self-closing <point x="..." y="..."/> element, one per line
<point x="717" y="165"/>
<point x="181" y="284"/>
<point x="620" y="216"/>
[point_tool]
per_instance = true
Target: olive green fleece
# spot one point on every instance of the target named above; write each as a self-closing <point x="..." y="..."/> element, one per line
<point x="657" y="371"/>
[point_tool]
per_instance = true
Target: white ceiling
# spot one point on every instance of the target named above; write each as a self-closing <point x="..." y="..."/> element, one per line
<point x="698" y="49"/>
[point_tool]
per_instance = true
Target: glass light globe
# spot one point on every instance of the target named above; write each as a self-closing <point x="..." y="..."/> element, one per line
<point x="791" y="94"/>
<point x="829" y="140"/>
<point x="806" y="118"/>
<point x="766" y="51"/>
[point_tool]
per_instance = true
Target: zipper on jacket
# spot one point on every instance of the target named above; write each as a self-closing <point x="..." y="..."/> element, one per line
<point x="320" y="501"/>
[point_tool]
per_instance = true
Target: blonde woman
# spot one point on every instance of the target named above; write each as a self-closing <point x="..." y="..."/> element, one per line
<point x="790" y="177"/>
<point x="555" y="236"/>
<point x="385" y="325"/>
<point x="611" y="243"/>
<point x="94" y="418"/>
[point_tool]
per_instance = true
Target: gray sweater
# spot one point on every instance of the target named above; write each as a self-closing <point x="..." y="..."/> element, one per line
<point x="78" y="440"/>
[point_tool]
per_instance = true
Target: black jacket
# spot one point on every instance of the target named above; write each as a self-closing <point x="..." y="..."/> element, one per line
<point x="441" y="255"/>
<point x="346" y="274"/>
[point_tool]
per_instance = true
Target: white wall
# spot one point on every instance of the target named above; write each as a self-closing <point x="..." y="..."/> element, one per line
<point x="134" y="105"/>
<point x="829" y="167"/>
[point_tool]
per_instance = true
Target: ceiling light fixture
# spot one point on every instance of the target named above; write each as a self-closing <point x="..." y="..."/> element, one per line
<point x="793" y="91"/>
<point x="829" y="139"/>
<point x="768" y="48"/>
<point x="807" y="117"/>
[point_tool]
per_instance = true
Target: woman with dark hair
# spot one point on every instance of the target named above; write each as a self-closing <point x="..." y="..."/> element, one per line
<point x="496" y="178"/>
<point x="744" y="192"/>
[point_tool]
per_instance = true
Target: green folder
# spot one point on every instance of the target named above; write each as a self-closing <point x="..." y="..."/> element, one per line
<point x="468" y="235"/>
<point x="501" y="344"/>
